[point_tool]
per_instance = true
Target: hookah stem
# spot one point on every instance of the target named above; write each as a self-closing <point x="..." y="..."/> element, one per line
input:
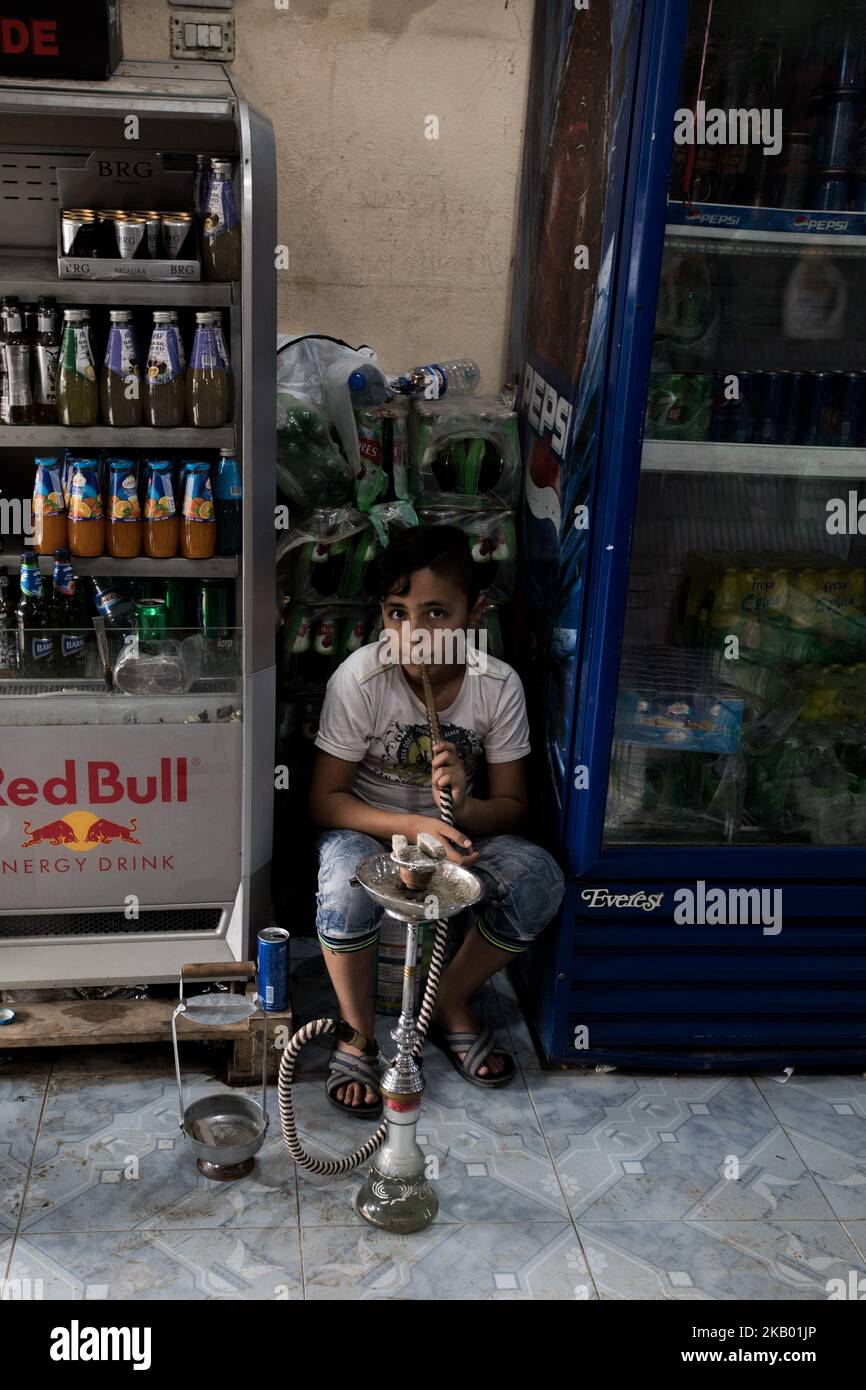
<point x="332" y="1167"/>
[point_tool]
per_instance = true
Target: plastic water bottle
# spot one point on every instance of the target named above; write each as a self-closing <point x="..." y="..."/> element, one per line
<point x="459" y="376"/>
<point x="367" y="387"/>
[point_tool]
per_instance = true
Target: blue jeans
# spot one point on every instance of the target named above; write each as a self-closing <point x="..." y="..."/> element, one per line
<point x="523" y="888"/>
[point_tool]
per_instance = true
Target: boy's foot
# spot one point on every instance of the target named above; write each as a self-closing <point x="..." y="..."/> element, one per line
<point x="459" y="1018"/>
<point x="354" y="1093"/>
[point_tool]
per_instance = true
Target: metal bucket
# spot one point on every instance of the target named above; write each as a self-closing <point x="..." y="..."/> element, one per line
<point x="225" y="1130"/>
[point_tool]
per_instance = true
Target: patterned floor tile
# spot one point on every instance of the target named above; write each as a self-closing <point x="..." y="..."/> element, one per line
<point x="696" y="1260"/>
<point x="166" y="1265"/>
<point x="110" y="1157"/>
<point x="857" y="1231"/>
<point x="23" y="1084"/>
<point x="492" y="1263"/>
<point x="670" y="1148"/>
<point x="486" y="1154"/>
<point x="825" y="1117"/>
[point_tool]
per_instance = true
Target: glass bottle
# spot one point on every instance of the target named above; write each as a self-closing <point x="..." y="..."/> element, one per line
<point x="206" y="391"/>
<point x="16" y="352"/>
<point x="46" y="359"/>
<point x="77" y="389"/>
<point x="164" y="389"/>
<point x="221" y="230"/>
<point x="120" y="386"/>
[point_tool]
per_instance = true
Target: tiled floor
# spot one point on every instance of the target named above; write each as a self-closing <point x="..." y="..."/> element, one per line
<point x="564" y="1185"/>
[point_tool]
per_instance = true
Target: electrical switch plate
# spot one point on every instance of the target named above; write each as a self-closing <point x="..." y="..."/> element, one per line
<point x="195" y="34"/>
<point x="201" y="4"/>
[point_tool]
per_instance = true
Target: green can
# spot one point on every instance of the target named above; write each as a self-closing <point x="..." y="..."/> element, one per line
<point x="151" y="619"/>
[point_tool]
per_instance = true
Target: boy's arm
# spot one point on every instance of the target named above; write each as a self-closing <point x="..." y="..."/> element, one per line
<point x="505" y="809"/>
<point x="333" y="806"/>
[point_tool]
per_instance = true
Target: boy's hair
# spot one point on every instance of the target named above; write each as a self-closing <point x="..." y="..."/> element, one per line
<point x="442" y="549"/>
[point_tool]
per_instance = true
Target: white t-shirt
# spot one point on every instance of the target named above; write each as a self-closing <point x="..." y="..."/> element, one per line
<point x="371" y="716"/>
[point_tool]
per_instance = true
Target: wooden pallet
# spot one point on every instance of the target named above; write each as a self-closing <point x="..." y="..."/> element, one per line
<point x="120" y="1022"/>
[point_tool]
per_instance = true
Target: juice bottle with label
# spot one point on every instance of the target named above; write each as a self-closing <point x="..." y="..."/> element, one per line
<point x="161" y="522"/>
<point x="216" y="322"/>
<point x="120" y="387"/>
<point x="49" y="507"/>
<point x="221" y="231"/>
<point x="174" y="320"/>
<point x="15" y="347"/>
<point x="123" y="532"/>
<point x="77" y="389"/>
<point x="198" y="531"/>
<point x="46" y="359"/>
<point x="206" y="391"/>
<point x="86" y="520"/>
<point x="164" y="389"/>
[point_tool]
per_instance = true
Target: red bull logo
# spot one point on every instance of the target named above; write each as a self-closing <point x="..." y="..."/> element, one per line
<point x="79" y="831"/>
<point x="99" y="782"/>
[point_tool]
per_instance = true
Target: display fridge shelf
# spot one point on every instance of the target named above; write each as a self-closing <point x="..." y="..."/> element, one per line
<point x="790" y="460"/>
<point x="106" y="437"/>
<point x="33" y="274"/>
<point x="218" y="567"/>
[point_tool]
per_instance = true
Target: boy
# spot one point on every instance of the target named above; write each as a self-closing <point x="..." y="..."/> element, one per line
<point x="372" y="780"/>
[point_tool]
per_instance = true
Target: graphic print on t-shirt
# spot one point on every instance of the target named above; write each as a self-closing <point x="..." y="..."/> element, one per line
<point x="402" y="753"/>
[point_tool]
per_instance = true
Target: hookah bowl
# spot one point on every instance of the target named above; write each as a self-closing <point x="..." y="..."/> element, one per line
<point x="397" y="1195"/>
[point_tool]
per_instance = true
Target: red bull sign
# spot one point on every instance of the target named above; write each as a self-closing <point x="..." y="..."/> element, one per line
<point x="161" y="821"/>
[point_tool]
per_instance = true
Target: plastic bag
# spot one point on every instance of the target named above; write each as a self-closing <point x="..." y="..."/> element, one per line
<point x="146" y="667"/>
<point x="315" y="369"/>
<point x="465" y="451"/>
<point x="311" y="471"/>
<point x="332" y="554"/>
<point x="492" y="541"/>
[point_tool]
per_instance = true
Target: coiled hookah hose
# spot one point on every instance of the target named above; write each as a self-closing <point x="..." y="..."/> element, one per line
<point x="330" y="1167"/>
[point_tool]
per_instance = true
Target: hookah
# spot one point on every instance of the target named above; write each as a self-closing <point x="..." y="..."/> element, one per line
<point x="414" y="884"/>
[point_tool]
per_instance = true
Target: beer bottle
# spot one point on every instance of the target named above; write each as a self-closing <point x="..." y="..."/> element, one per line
<point x="16" y="351"/>
<point x="69" y="637"/>
<point x="8" y="643"/>
<point x="35" y="641"/>
<point x="46" y="359"/>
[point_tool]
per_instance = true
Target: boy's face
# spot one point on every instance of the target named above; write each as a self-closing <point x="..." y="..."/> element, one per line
<point x="433" y="607"/>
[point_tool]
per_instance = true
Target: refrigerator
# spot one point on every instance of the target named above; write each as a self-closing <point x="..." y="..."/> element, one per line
<point x="687" y="334"/>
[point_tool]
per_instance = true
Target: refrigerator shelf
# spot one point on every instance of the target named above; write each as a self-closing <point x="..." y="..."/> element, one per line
<point x="789" y="460"/>
<point x="105" y="437"/>
<point x="219" y="567"/>
<point x="34" y="274"/>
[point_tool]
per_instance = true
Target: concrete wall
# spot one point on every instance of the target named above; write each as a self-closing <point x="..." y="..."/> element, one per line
<point x="395" y="239"/>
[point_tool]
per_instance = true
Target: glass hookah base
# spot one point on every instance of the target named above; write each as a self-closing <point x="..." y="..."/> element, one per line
<point x="401" y="1205"/>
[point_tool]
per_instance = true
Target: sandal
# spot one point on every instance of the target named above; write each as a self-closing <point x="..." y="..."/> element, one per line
<point x="477" y="1047"/>
<point x="343" y="1068"/>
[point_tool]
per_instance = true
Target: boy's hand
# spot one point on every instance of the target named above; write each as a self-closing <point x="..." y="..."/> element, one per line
<point x="447" y="834"/>
<point x="448" y="771"/>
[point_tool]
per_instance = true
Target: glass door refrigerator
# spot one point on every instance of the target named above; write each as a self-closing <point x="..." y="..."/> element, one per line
<point x="689" y="332"/>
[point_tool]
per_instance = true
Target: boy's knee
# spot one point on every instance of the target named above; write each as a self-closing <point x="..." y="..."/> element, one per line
<point x="344" y="910"/>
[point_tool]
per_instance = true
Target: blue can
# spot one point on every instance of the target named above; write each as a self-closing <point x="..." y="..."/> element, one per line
<point x="789" y="421"/>
<point x="858" y="191"/>
<point x="830" y="190"/>
<point x="851" y="393"/>
<point x="731" y="421"/>
<point x="767" y="412"/>
<point x="846" y="67"/>
<point x="274" y="968"/>
<point x="817" y="421"/>
<point x="837" y="129"/>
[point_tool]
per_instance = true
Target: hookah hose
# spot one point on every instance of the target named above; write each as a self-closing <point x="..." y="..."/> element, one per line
<point x="331" y="1167"/>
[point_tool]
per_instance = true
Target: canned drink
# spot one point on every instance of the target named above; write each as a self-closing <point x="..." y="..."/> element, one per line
<point x="830" y="190"/>
<point x="789" y="418"/>
<point x="837" y="129"/>
<point x="78" y="233"/>
<point x="857" y="201"/>
<point x="273" y="969"/>
<point x="153" y="223"/>
<point x="176" y="233"/>
<point x="151" y="620"/>
<point x="764" y="593"/>
<point x="849" y="409"/>
<point x="840" y="600"/>
<point x="817" y="419"/>
<point x="767" y="414"/>
<point x="726" y="606"/>
<point x="732" y="417"/>
<point x="846" y="69"/>
<point x="796" y="170"/>
<point x="131" y="233"/>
